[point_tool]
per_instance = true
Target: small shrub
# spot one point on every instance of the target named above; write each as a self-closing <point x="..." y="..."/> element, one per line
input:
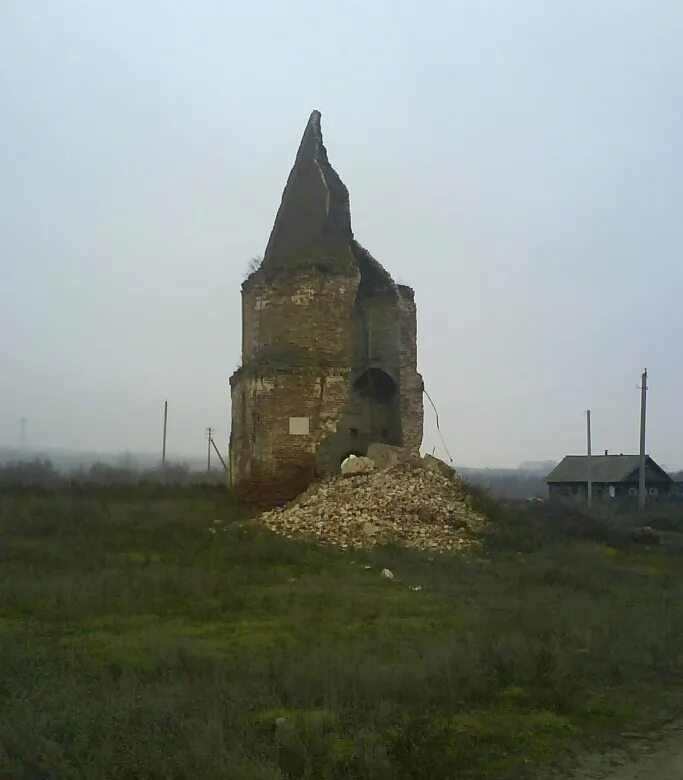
<point x="253" y="265"/>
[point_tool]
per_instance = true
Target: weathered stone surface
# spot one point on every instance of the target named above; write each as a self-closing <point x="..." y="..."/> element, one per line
<point x="436" y="464"/>
<point x="645" y="534"/>
<point x="385" y="456"/>
<point x="404" y="505"/>
<point x="328" y="341"/>
<point x="355" y="466"/>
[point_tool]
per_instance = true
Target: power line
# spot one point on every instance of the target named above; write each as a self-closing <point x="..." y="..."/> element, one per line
<point x="438" y="427"/>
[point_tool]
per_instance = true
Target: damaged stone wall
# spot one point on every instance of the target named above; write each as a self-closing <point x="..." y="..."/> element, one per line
<point x="329" y="349"/>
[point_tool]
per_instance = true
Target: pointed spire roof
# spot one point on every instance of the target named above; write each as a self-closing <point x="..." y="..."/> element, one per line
<point x="314" y="217"/>
<point x="313" y="223"/>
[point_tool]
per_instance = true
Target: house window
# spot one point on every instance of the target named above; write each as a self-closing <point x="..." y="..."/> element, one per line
<point x="385" y="434"/>
<point x="632" y="491"/>
<point x="653" y="491"/>
<point x="353" y="433"/>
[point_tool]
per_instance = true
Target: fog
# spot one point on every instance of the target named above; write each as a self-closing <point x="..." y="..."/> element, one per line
<point x="518" y="164"/>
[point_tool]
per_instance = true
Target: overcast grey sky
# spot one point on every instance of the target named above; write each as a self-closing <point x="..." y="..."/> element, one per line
<point x="518" y="163"/>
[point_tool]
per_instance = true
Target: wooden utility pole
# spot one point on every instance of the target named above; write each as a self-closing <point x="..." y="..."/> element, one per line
<point x="209" y="432"/>
<point x="589" y="462"/>
<point x="220" y="457"/>
<point x="163" y="448"/>
<point x="641" y="470"/>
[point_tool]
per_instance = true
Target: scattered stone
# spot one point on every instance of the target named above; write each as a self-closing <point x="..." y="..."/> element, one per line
<point x="284" y="729"/>
<point x="384" y="456"/>
<point x="387" y="574"/>
<point x="645" y="535"/>
<point x="355" y="466"/>
<point x="437" y="465"/>
<point x="403" y="505"/>
<point x="416" y="587"/>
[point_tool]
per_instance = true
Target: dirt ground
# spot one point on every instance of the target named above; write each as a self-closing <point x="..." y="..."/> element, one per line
<point x="659" y="758"/>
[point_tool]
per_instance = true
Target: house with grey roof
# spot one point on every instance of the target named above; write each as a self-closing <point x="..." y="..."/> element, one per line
<point x="612" y="477"/>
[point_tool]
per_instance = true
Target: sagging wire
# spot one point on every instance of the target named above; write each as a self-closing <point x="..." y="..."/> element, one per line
<point x="438" y="427"/>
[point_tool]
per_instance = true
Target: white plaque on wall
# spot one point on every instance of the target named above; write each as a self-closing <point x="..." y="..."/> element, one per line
<point x="298" y="426"/>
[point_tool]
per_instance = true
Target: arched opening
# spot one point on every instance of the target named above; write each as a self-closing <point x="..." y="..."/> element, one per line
<point x="372" y="414"/>
<point x="376" y="385"/>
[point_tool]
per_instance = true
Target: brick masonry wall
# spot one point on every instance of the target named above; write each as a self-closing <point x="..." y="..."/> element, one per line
<point x="412" y="408"/>
<point x="298" y="317"/>
<point x="305" y="338"/>
<point x="266" y="461"/>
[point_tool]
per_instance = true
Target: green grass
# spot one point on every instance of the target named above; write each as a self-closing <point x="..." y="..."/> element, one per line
<point x="155" y="634"/>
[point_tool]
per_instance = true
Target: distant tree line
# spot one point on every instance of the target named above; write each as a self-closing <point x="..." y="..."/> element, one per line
<point x="508" y="483"/>
<point x="41" y="472"/>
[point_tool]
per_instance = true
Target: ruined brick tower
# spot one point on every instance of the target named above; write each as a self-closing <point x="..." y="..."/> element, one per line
<point x="329" y="352"/>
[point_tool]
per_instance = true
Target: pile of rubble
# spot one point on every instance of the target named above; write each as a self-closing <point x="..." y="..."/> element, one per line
<point x="411" y="503"/>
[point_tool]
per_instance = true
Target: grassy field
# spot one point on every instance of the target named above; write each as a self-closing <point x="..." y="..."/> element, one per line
<point x="151" y="634"/>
